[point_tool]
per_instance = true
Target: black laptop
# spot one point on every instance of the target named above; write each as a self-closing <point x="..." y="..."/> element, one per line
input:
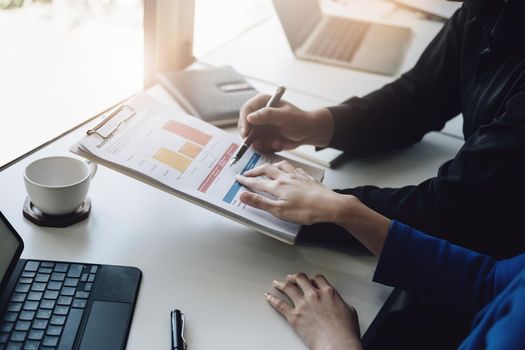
<point x="62" y="305"/>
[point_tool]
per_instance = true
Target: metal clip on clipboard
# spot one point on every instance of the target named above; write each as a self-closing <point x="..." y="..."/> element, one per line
<point x="116" y="112"/>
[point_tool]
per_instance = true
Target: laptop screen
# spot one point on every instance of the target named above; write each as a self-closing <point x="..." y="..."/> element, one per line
<point x="10" y="248"/>
<point x="298" y="18"/>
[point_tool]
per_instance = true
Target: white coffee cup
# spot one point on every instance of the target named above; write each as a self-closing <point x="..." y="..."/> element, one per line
<point x="58" y="185"/>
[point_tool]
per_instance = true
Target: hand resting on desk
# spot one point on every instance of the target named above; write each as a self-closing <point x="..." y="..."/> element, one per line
<point x="318" y="313"/>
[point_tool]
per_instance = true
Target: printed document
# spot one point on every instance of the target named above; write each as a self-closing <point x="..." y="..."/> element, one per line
<point x="184" y="156"/>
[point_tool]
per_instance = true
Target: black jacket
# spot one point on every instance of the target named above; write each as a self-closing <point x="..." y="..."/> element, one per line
<point x="474" y="66"/>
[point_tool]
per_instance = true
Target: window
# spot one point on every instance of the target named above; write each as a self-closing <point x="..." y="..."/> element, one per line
<point x="218" y="21"/>
<point x="63" y="61"/>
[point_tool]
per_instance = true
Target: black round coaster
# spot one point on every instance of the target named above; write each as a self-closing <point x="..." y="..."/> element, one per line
<point x="34" y="215"/>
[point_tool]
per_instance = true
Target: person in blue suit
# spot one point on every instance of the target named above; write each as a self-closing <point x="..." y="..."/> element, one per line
<point x="422" y="265"/>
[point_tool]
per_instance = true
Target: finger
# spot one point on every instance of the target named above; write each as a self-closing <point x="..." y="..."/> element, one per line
<point x="283" y="307"/>
<point x="268" y="116"/>
<point x="258" y="201"/>
<point x="258" y="184"/>
<point x="289" y="289"/>
<point x="320" y="282"/>
<point x="285" y="166"/>
<point x="253" y="104"/>
<point x="267" y="170"/>
<point x="302" y="281"/>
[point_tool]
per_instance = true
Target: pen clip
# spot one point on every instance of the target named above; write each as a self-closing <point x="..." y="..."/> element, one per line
<point x="116" y="112"/>
<point x="182" y="332"/>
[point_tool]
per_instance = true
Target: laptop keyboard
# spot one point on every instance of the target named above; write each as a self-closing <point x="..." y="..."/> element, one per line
<point x="46" y="306"/>
<point x="339" y="39"/>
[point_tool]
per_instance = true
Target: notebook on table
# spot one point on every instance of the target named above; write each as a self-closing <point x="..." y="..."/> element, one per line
<point x="186" y="157"/>
<point x="62" y="305"/>
<point x="214" y="95"/>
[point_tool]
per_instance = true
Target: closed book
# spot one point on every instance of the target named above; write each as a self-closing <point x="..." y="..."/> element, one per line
<point x="214" y="95"/>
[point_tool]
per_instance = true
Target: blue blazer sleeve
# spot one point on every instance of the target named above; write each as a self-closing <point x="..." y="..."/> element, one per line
<point x="434" y="268"/>
<point x="500" y="324"/>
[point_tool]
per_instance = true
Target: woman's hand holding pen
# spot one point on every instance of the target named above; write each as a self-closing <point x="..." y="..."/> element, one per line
<point x="285" y="126"/>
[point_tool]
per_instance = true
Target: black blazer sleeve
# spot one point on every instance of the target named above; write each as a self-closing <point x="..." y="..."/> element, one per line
<point x="477" y="199"/>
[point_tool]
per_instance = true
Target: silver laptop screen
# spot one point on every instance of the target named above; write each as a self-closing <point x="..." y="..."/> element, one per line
<point x="8" y="247"/>
<point x="298" y="18"/>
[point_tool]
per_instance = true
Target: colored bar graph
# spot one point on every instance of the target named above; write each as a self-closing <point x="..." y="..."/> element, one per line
<point x="218" y="168"/>
<point x="187" y="132"/>
<point x="232" y="192"/>
<point x="190" y="150"/>
<point x="172" y="159"/>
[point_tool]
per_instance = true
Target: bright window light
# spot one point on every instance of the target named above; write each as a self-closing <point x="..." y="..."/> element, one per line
<point x="64" y="61"/>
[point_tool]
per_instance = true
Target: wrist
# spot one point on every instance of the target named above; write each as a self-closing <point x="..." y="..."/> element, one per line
<point x="322" y="127"/>
<point x="349" y="342"/>
<point x="345" y="210"/>
<point x="366" y="225"/>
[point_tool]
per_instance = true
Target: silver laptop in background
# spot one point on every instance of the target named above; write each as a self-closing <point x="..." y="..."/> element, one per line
<point x="341" y="41"/>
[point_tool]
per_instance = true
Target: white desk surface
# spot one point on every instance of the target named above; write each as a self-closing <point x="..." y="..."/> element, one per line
<point x="213" y="269"/>
<point x="454" y="127"/>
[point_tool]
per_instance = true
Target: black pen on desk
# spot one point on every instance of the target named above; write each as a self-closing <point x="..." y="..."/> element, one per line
<point x="272" y="102"/>
<point x="177" y="330"/>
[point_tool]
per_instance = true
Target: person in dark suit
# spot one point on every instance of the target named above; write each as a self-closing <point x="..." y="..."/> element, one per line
<point x="474" y="66"/>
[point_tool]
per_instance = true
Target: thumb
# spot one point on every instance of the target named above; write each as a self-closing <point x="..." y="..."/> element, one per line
<point x="267" y="116"/>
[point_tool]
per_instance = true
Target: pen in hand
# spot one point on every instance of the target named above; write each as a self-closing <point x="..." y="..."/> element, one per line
<point x="272" y="102"/>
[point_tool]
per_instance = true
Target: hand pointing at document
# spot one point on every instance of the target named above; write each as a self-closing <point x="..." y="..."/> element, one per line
<point x="293" y="194"/>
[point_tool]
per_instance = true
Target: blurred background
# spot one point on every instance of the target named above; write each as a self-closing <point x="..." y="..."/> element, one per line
<point x="63" y="61"/>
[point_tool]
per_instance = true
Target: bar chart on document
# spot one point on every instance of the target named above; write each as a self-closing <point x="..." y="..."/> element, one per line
<point x="201" y="161"/>
<point x="181" y="152"/>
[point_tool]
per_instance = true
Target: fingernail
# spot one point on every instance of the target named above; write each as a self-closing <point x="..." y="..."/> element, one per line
<point x="242" y="197"/>
<point x="275" y="282"/>
<point x="276" y="145"/>
<point x="267" y="296"/>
